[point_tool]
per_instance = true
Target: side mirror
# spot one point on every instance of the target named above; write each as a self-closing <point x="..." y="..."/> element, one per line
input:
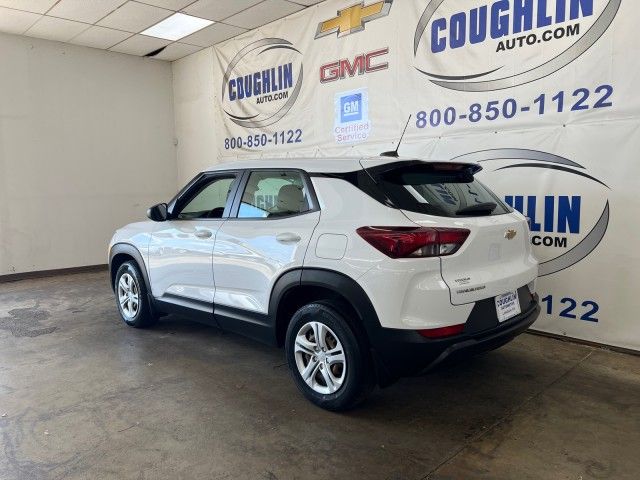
<point x="158" y="213"/>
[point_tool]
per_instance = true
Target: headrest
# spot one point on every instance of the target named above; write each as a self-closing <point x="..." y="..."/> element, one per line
<point x="291" y="199"/>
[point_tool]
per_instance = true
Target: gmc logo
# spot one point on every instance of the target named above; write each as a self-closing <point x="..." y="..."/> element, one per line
<point x="363" y="63"/>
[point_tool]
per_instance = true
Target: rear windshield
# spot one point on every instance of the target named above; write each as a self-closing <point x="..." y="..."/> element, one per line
<point x="447" y="190"/>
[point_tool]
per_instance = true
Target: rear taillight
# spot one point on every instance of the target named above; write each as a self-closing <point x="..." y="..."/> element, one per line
<point x="414" y="242"/>
<point x="442" y="332"/>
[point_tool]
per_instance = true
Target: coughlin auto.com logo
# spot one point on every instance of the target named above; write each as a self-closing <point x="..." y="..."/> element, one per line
<point x="568" y="220"/>
<point x="262" y="82"/>
<point x="353" y="19"/>
<point x="472" y="45"/>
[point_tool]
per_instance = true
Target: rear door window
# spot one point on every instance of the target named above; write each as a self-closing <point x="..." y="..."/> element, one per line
<point x="448" y="190"/>
<point x="272" y="194"/>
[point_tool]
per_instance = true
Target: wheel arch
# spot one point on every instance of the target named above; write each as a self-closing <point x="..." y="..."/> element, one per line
<point x="298" y="287"/>
<point x="121" y="253"/>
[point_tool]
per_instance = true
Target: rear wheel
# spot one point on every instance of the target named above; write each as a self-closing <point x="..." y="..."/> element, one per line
<point x="131" y="297"/>
<point x="329" y="364"/>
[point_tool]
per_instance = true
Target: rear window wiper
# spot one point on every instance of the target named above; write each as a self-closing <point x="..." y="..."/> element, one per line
<point x="478" y="208"/>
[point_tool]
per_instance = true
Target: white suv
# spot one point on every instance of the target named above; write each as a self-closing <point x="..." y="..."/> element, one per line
<point x="365" y="270"/>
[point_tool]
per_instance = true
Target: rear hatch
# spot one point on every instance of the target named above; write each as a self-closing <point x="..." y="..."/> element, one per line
<point x="496" y="257"/>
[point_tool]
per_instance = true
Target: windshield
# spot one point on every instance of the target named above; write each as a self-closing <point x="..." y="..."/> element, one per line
<point x="440" y="189"/>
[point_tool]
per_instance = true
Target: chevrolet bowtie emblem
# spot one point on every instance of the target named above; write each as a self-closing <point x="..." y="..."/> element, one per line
<point x="510" y="234"/>
<point x="352" y="19"/>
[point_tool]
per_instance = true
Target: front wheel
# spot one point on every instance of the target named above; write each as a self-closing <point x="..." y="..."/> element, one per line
<point x="329" y="363"/>
<point x="131" y="296"/>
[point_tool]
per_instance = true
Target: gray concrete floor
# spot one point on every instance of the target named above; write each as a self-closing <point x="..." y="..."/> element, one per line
<point x="82" y="396"/>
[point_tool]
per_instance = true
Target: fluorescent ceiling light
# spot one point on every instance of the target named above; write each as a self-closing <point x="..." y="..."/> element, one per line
<point x="177" y="26"/>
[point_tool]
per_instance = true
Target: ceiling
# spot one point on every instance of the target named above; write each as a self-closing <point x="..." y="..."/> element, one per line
<point x="116" y="24"/>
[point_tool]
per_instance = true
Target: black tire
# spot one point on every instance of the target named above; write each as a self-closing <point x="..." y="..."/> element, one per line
<point x="358" y="381"/>
<point x="143" y="316"/>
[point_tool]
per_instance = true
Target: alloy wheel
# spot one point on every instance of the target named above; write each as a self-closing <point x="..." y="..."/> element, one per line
<point x="128" y="296"/>
<point x="320" y="358"/>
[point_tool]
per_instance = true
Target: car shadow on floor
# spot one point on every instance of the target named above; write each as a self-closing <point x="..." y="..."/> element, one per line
<point x="484" y="386"/>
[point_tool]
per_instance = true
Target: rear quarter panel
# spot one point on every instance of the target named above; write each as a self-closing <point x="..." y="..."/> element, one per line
<point x="406" y="293"/>
<point x="344" y="208"/>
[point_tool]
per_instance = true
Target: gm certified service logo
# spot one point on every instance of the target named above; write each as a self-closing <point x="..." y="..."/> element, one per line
<point x="568" y="220"/>
<point x="262" y="82"/>
<point x="351" y="111"/>
<point x="352" y="19"/>
<point x="478" y="46"/>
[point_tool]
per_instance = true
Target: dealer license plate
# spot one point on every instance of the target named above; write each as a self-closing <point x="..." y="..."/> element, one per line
<point x="507" y="306"/>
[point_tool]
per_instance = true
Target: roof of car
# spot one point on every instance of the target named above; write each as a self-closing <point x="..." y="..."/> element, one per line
<point x="311" y="165"/>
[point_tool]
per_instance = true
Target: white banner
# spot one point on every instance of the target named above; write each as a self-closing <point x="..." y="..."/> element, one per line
<point x="541" y="92"/>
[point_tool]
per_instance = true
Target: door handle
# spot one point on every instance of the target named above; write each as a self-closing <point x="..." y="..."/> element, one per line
<point x="203" y="234"/>
<point x="288" y="237"/>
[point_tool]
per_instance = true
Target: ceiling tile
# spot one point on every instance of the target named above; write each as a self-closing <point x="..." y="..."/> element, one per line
<point x="139" y="45"/>
<point x="169" y="4"/>
<point x="134" y="17"/>
<point x="177" y="26"/>
<point x="213" y="34"/>
<point x="176" y="51"/>
<point x="36" y="6"/>
<point x="88" y="11"/>
<point x="308" y="3"/>
<point x="219" y="9"/>
<point x="99" y="37"/>
<point x="263" y="13"/>
<point x="16" y="21"/>
<point x="56" y="29"/>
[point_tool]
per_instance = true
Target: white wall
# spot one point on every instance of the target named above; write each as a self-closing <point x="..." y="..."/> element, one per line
<point x="86" y="145"/>
<point x="195" y="118"/>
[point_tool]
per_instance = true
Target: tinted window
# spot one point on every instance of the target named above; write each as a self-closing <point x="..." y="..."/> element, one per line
<point x="273" y="194"/>
<point x="440" y="189"/>
<point x="210" y="200"/>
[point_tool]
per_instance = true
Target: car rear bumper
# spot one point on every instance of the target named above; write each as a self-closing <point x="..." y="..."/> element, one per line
<point x="399" y="353"/>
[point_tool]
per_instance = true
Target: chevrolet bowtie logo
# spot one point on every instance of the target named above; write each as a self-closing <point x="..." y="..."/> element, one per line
<point x="352" y="19"/>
